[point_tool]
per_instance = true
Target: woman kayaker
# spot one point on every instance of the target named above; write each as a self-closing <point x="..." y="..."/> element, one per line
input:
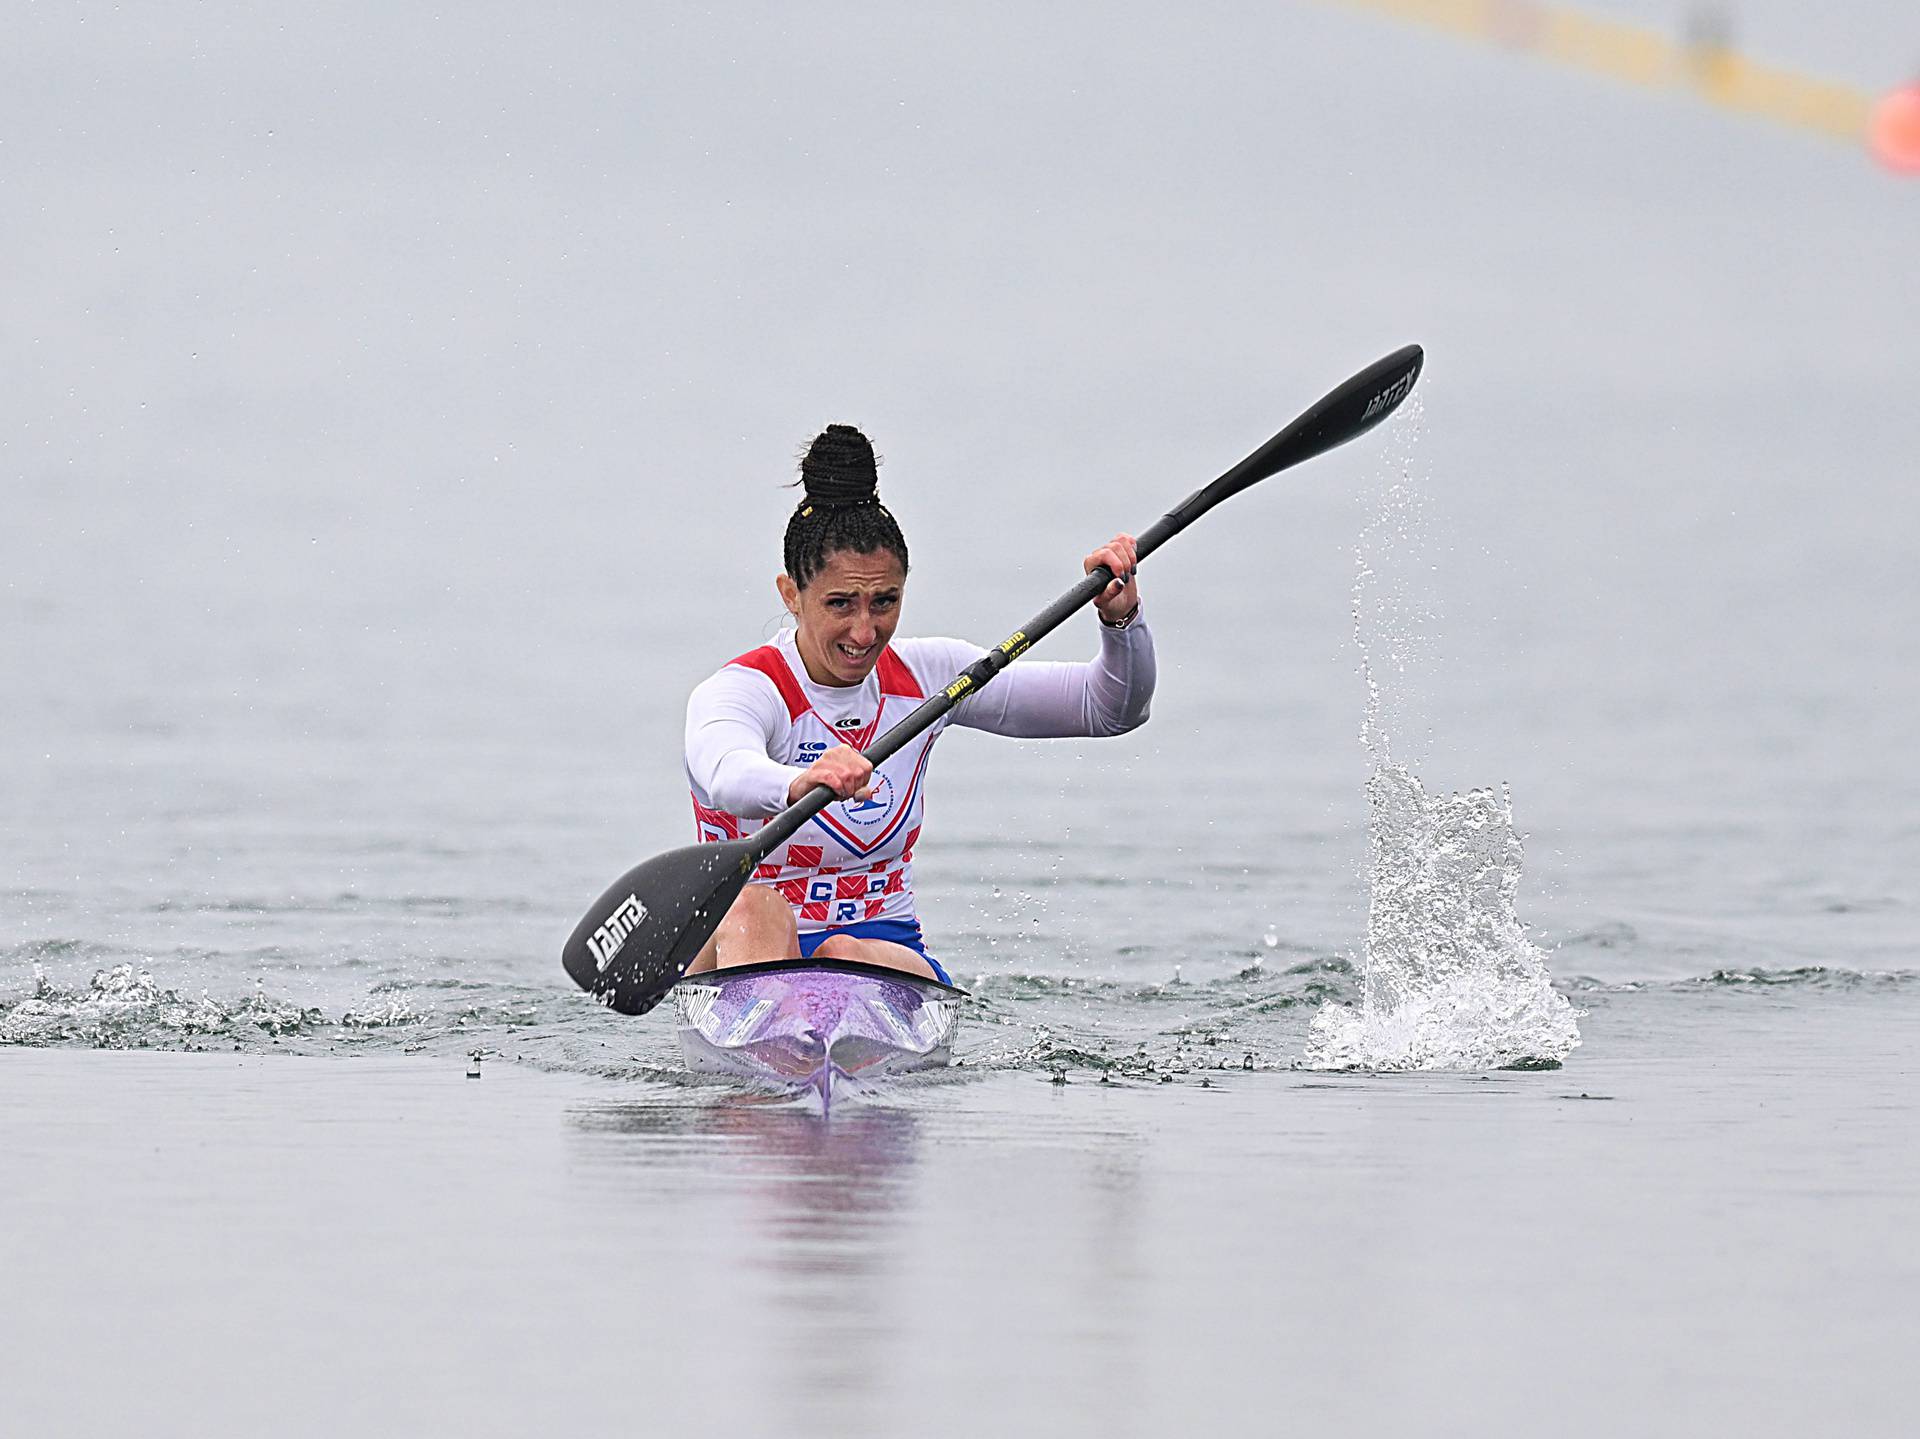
<point x="796" y="713"/>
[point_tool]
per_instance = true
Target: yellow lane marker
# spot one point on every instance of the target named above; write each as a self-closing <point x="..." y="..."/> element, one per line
<point x="1704" y="63"/>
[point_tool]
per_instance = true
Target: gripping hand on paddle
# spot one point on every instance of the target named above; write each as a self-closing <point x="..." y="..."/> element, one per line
<point x="842" y="769"/>
<point x="1122" y="597"/>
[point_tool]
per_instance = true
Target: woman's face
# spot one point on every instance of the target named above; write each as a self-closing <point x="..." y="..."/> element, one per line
<point x="846" y="614"/>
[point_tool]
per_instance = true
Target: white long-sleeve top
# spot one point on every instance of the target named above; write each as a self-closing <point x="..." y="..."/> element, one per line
<point x="759" y="721"/>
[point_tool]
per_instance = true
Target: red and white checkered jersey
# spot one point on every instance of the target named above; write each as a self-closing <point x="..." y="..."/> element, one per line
<point x="754" y="725"/>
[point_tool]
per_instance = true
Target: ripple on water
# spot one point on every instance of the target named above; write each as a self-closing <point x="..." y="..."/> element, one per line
<point x="1818" y="977"/>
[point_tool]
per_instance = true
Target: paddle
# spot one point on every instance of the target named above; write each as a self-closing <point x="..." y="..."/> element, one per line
<point x="639" y="938"/>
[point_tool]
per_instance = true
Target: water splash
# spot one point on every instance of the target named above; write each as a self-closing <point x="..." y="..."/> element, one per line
<point x="123" y="1007"/>
<point x="1393" y="618"/>
<point x="396" y="1011"/>
<point x="1449" y="978"/>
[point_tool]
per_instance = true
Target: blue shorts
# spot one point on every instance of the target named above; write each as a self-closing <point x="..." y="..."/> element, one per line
<point x="895" y="931"/>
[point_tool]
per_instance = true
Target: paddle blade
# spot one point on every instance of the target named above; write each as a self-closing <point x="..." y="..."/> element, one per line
<point x="640" y="936"/>
<point x="1344" y="413"/>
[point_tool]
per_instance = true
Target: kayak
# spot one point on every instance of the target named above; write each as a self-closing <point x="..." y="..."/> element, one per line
<point x="818" y="1024"/>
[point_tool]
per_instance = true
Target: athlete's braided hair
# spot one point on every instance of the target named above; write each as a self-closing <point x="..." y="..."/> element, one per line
<point x="842" y="509"/>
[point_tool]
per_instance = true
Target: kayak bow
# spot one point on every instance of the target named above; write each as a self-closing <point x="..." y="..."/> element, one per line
<point x="815" y="1024"/>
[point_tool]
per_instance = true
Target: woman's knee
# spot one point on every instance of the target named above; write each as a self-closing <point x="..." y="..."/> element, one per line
<point x="758" y="925"/>
<point x="874" y="951"/>
<point x="838" y="946"/>
<point x="760" y="902"/>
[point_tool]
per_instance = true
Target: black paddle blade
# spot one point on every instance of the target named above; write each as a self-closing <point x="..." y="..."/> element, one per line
<point x="641" y="935"/>
<point x="1344" y="413"/>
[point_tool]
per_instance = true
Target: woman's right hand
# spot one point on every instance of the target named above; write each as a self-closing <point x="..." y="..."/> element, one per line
<point x="842" y="769"/>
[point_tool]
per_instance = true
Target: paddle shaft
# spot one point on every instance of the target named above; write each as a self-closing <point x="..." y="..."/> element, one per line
<point x="1344" y="413"/>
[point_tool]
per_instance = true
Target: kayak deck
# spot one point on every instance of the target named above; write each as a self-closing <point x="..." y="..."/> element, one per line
<point x="815" y="1024"/>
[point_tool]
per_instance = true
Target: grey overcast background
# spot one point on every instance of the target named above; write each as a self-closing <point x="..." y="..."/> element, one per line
<point x="333" y="323"/>
<point x="396" y="408"/>
<point x="402" y="400"/>
<point x="385" y="375"/>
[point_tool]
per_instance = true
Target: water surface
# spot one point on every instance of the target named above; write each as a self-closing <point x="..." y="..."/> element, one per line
<point x="397" y="433"/>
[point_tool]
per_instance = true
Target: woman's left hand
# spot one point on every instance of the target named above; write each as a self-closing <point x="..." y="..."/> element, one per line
<point x="1122" y="597"/>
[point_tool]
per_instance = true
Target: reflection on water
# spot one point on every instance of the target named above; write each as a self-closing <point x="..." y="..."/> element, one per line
<point x="842" y="1258"/>
<point x="839" y="1171"/>
<point x="799" y="1216"/>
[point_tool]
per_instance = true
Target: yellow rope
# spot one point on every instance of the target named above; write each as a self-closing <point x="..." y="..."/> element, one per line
<point x="1641" y="55"/>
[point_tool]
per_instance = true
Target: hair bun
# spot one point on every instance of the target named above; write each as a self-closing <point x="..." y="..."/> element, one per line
<point x="839" y="468"/>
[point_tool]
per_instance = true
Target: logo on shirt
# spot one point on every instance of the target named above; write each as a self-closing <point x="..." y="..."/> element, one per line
<point x="850" y="722"/>
<point x="874" y="809"/>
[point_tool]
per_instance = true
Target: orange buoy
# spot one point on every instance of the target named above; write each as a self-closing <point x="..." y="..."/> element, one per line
<point x="1896" y="130"/>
